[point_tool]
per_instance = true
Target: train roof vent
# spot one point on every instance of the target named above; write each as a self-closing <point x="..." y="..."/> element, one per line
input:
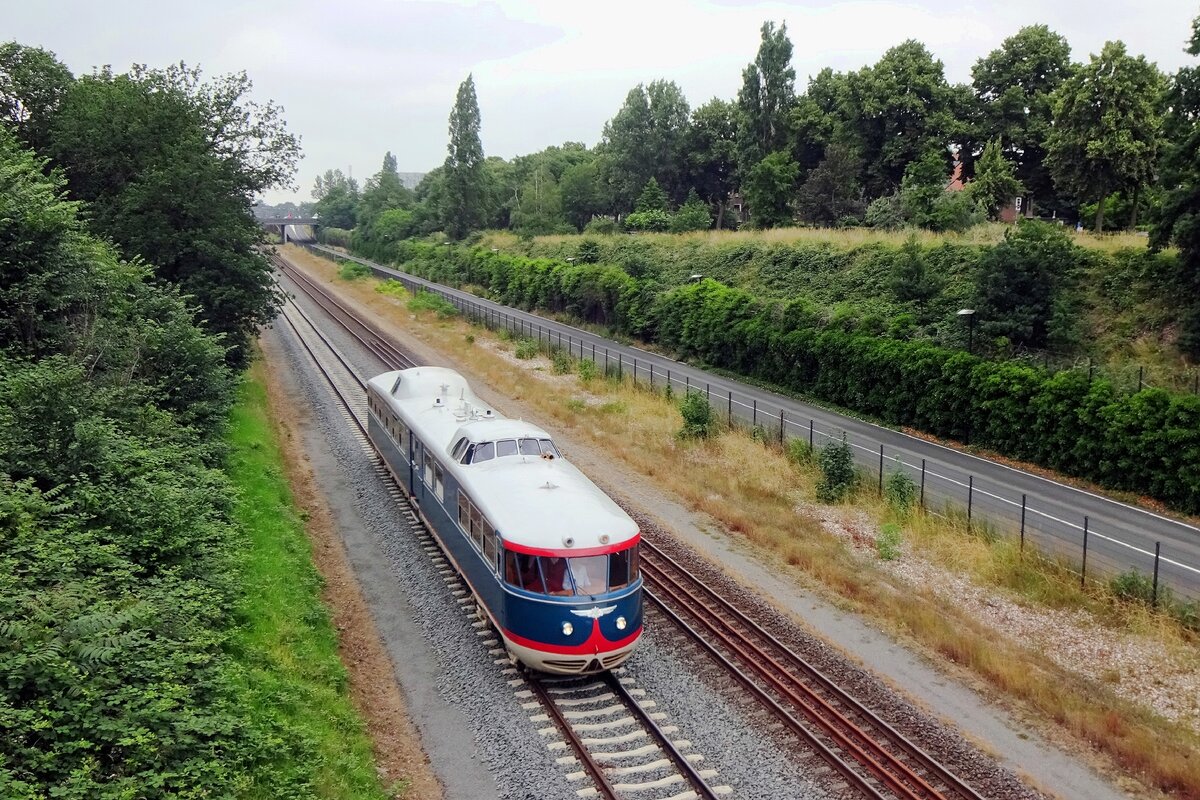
<point x="488" y="413"/>
<point x="438" y="402"/>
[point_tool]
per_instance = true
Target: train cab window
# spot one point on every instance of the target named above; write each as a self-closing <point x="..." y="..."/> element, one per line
<point x="506" y="447"/>
<point x="467" y="455"/>
<point x="618" y="569"/>
<point x="521" y="571"/>
<point x="529" y="447"/>
<point x="484" y="451"/>
<point x="589" y="574"/>
<point x="548" y="448"/>
<point x="459" y="448"/>
<point x="554" y="571"/>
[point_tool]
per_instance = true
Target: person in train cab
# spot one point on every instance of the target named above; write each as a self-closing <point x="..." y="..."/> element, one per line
<point x="530" y="579"/>
<point x="556" y="576"/>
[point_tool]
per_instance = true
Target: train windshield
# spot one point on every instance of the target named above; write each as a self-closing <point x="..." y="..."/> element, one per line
<point x="578" y="575"/>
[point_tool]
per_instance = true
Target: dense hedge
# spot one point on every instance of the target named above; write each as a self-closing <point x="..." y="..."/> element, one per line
<point x="1147" y="442"/>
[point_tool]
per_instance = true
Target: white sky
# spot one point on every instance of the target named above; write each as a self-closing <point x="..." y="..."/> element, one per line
<point x="359" y="78"/>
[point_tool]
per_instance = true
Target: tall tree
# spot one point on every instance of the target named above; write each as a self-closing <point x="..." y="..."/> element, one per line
<point x="646" y="139"/>
<point x="1015" y="84"/>
<point x="995" y="183"/>
<point x="712" y="153"/>
<point x="337" y="199"/>
<point x="769" y="189"/>
<point x="1180" y="218"/>
<point x="170" y="164"/>
<point x="581" y="195"/>
<point x="383" y="192"/>
<point x="539" y="209"/>
<point x="32" y="85"/>
<point x="766" y="97"/>
<point x="465" y="184"/>
<point x="831" y="192"/>
<point x="1106" y="128"/>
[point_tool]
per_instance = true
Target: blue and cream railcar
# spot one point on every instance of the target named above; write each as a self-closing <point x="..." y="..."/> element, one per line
<point x="551" y="559"/>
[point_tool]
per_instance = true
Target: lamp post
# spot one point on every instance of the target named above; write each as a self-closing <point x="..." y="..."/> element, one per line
<point x="969" y="313"/>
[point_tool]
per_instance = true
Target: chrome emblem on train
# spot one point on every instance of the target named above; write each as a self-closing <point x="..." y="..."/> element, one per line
<point x="593" y="613"/>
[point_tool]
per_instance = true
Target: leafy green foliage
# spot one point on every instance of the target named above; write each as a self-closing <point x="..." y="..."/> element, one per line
<point x="1105" y="135"/>
<point x="888" y="541"/>
<point x="432" y="301"/>
<point x="32" y="85"/>
<point x="587" y="370"/>
<point x="337" y="200"/>
<point x="526" y="349"/>
<point x="352" y="270"/>
<point x="995" y="183"/>
<point x="699" y="422"/>
<point x="900" y="489"/>
<point x="648" y="221"/>
<point x="562" y="362"/>
<point x="769" y="188"/>
<point x="693" y="215"/>
<point x="465" y="190"/>
<point x="838" y="477"/>
<point x="652" y="198"/>
<point x="767" y="95"/>
<point x="1133" y="585"/>
<point x="831" y="194"/>
<point x="644" y="140"/>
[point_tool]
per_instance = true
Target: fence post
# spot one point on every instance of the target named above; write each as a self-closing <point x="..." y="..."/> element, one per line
<point x="593" y="352"/>
<point x="922" y="483"/>
<point x="754" y="402"/>
<point x="1023" y="498"/>
<point x="620" y="366"/>
<point x="606" y="362"/>
<point x="810" y="435"/>
<point x="651" y="374"/>
<point x="1083" y="571"/>
<point x="1141" y="374"/>
<point x="707" y="393"/>
<point x="729" y="414"/>
<point x="687" y="384"/>
<point x="880" y="470"/>
<point x="1154" y="594"/>
<point x="970" y="497"/>
<point x="635" y="370"/>
<point x="781" y="424"/>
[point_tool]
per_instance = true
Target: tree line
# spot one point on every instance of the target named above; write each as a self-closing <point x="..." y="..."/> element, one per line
<point x="130" y="292"/>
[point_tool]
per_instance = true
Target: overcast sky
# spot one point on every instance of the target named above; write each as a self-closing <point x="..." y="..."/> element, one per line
<point x="358" y="78"/>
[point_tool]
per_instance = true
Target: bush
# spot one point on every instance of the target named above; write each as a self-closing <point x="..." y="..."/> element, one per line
<point x="526" y="349"/>
<point x="900" y="489"/>
<point x="562" y="362"/>
<point x="648" y="221"/>
<point x="837" y="472"/>
<point x="605" y="226"/>
<point x="352" y="270"/>
<point x="799" y="452"/>
<point x="888" y="541"/>
<point x="432" y="301"/>
<point x="886" y="213"/>
<point x="699" y="422"/>
<point x="1136" y="587"/>
<point x="587" y="370"/>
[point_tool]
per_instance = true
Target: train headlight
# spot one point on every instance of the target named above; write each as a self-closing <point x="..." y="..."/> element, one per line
<point x="621" y="623"/>
<point x="568" y="629"/>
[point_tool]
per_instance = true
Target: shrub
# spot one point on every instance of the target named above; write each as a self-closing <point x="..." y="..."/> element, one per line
<point x="887" y="543"/>
<point x="799" y="452"/>
<point x="900" y="489"/>
<point x="562" y="362"/>
<point x="526" y="348"/>
<point x="432" y="301"/>
<point x="886" y="213"/>
<point x="837" y="472"/>
<point x="604" y="226"/>
<point x="352" y="270"/>
<point x="587" y="370"/>
<point x="648" y="221"/>
<point x="698" y="419"/>
<point x="1134" y="586"/>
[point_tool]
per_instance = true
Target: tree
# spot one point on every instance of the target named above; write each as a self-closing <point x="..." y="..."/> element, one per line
<point x="646" y="140"/>
<point x="693" y="215"/>
<point x="580" y="193"/>
<point x="894" y="112"/>
<point x="383" y="192"/>
<point x="712" y="153"/>
<point x="1015" y="84"/>
<point x="540" y="208"/>
<point x="1179" y="221"/>
<point x="1106" y="128"/>
<point x="32" y="85"/>
<point x="995" y="185"/>
<point x="169" y="164"/>
<point x="766" y="97"/>
<point x="769" y="189"/>
<point x="652" y="198"/>
<point x="337" y="199"/>
<point x="831" y="192"/>
<point x="465" y="197"/>
<point x="911" y="280"/>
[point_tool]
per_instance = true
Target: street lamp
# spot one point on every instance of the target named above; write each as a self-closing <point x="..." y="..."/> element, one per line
<point x="969" y="313"/>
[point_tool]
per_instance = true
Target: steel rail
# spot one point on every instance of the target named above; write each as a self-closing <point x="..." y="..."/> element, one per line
<point x="593" y="768"/>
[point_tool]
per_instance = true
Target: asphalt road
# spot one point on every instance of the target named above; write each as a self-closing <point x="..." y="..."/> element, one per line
<point x="1057" y="518"/>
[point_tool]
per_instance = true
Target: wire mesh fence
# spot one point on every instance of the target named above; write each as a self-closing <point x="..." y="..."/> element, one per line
<point x="1102" y="546"/>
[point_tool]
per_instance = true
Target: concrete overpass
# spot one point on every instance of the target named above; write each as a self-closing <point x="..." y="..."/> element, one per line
<point x="291" y="229"/>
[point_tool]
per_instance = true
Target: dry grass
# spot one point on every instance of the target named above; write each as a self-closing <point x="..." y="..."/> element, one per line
<point x="754" y="491"/>
<point x="989" y="233"/>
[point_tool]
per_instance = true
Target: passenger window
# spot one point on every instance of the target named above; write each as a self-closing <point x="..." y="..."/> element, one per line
<point x="529" y="447"/>
<point x="484" y="451"/>
<point x="464" y="511"/>
<point x="439" y="487"/>
<point x="476" y="527"/>
<point x="548" y="447"/>
<point x="489" y="544"/>
<point x="618" y="569"/>
<point x="506" y="447"/>
<point x="428" y="469"/>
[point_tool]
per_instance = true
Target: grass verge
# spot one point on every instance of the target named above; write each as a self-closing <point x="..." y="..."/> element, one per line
<point x="754" y="490"/>
<point x="285" y="646"/>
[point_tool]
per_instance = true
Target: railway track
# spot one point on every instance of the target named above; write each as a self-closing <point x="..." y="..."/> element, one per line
<point x="615" y="738"/>
<point x="870" y="757"/>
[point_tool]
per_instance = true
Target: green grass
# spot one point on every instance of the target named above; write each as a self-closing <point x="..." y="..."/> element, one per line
<point x="286" y="646"/>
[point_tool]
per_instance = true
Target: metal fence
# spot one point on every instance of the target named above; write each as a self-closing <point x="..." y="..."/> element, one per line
<point x="1098" y="549"/>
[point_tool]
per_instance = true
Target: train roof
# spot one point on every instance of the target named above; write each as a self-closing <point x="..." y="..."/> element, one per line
<point x="533" y="502"/>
